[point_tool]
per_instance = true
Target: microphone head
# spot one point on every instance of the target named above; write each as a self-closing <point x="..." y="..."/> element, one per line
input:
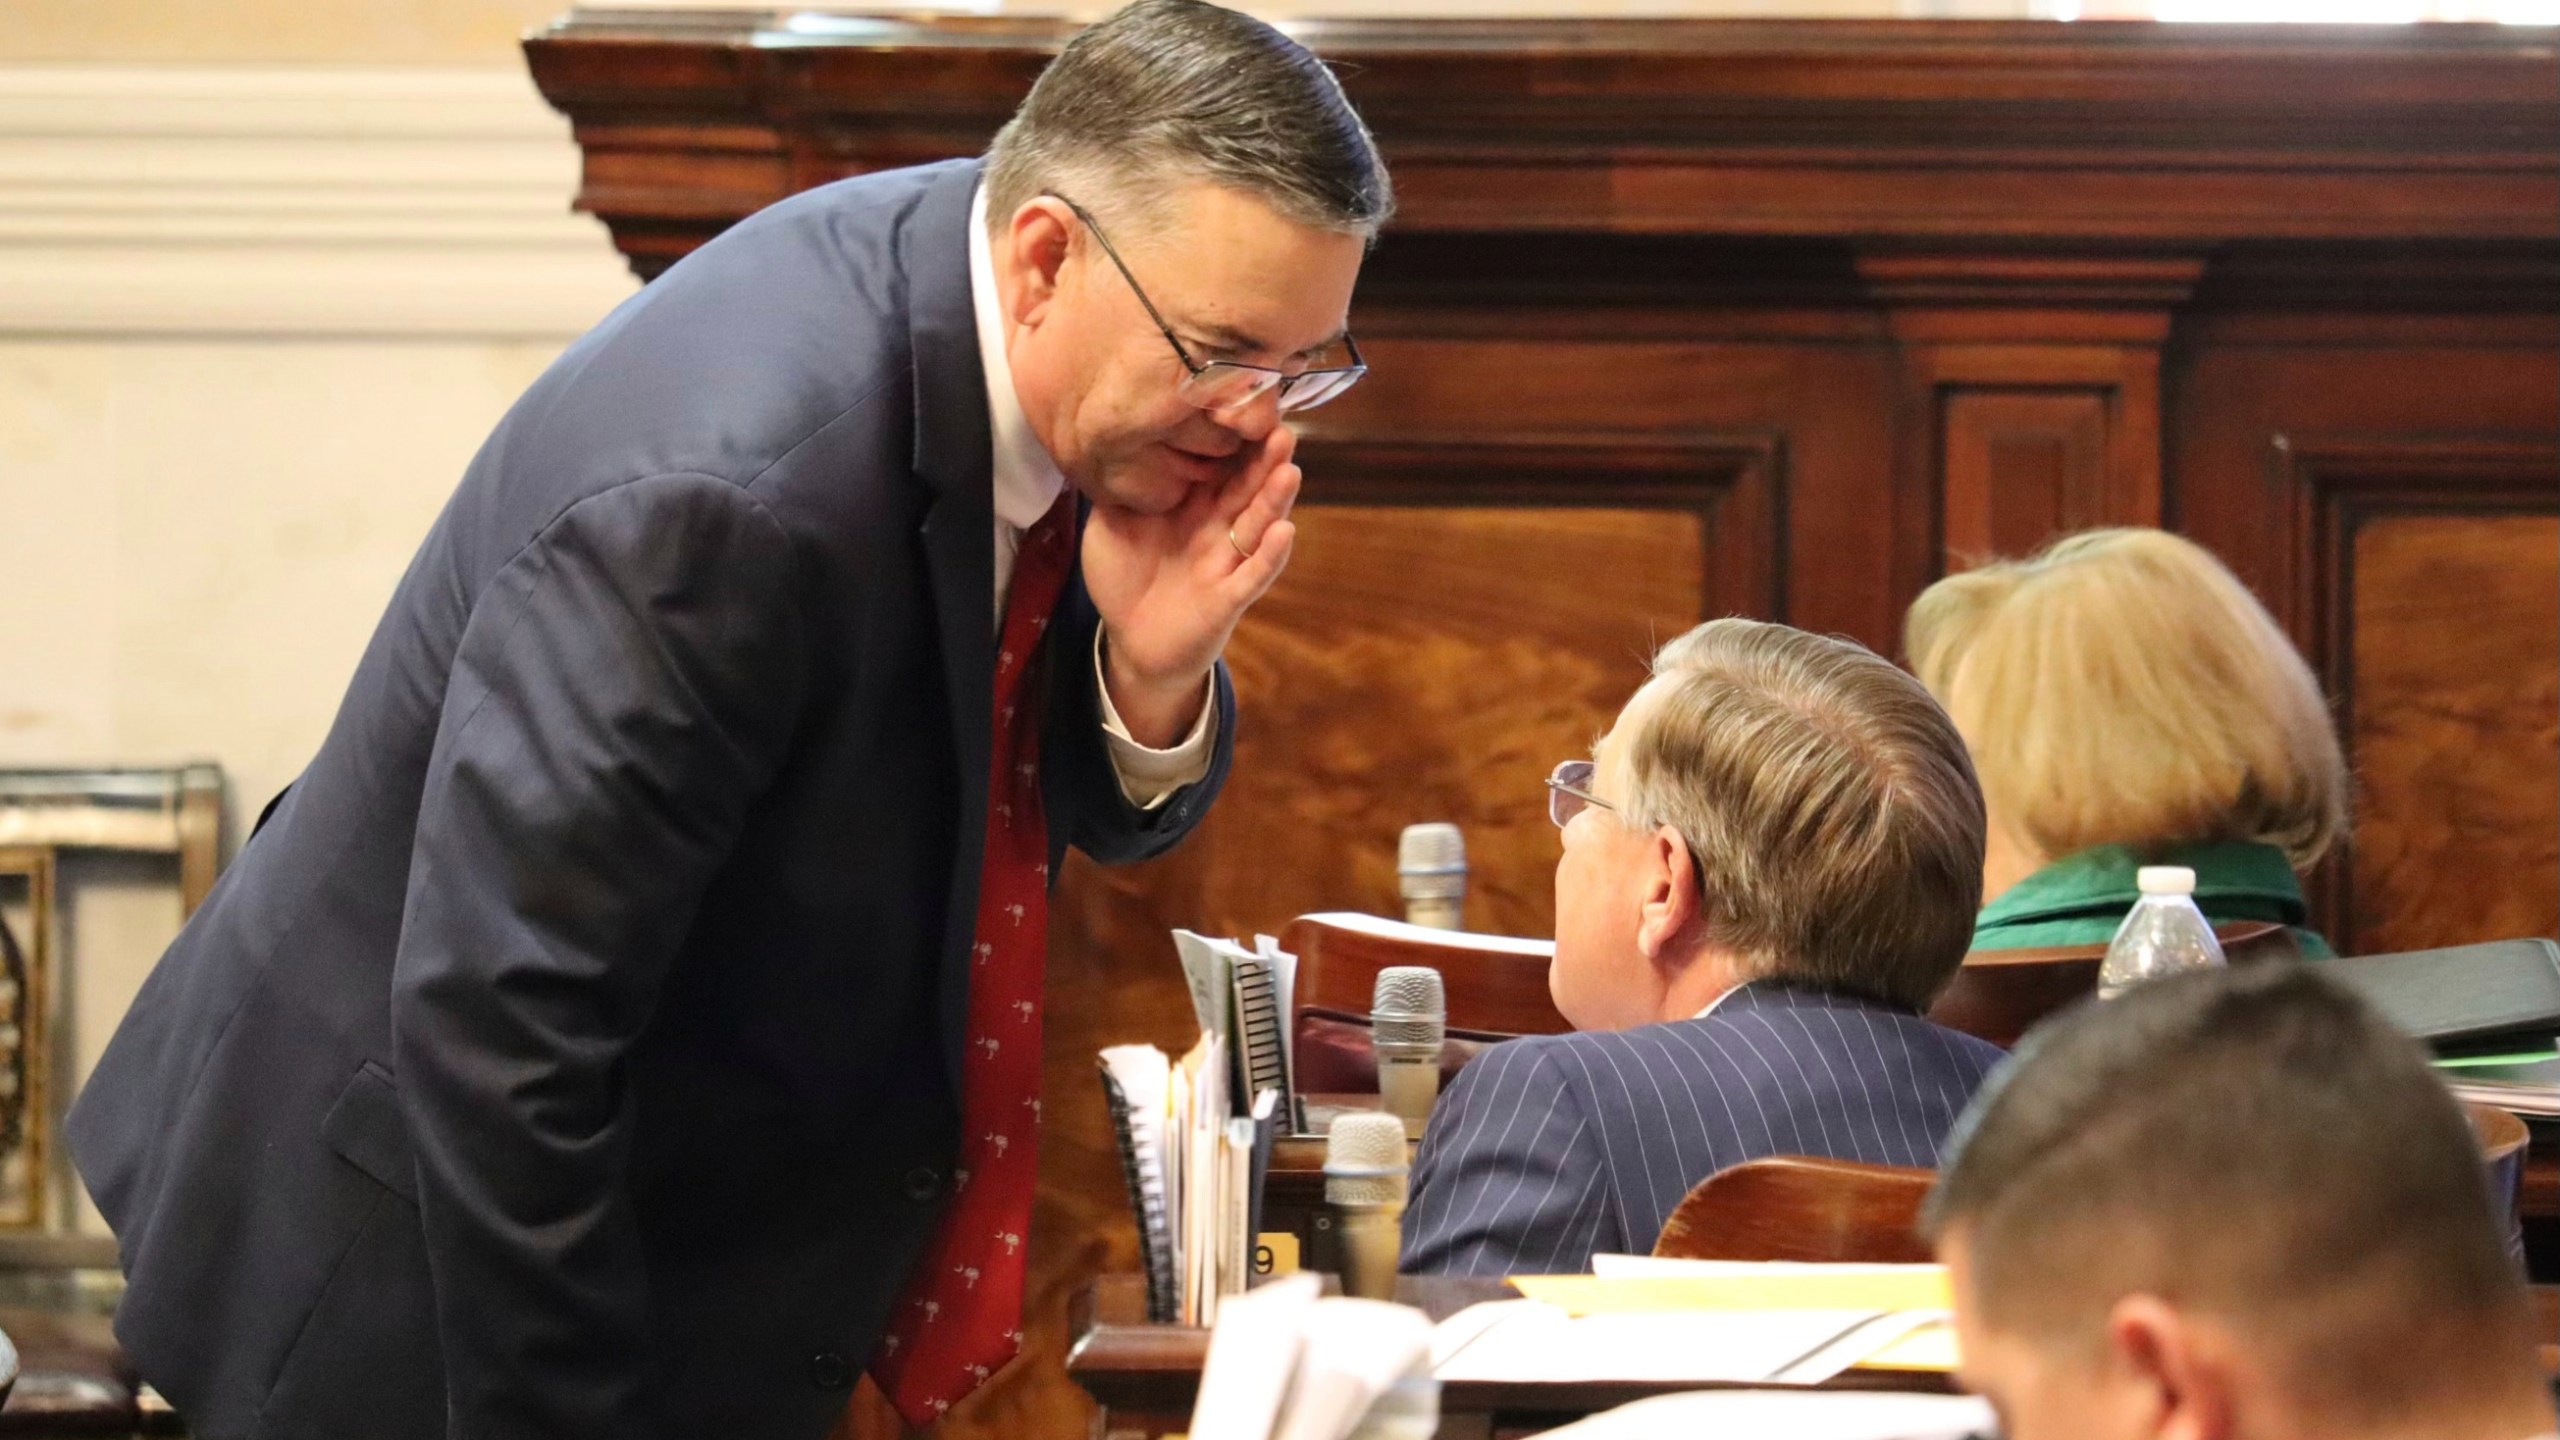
<point x="1364" y="1159"/>
<point x="1431" y="862"/>
<point x="1408" y="1006"/>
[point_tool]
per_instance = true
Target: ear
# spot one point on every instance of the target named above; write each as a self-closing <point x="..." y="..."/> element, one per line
<point x="2182" y="1366"/>
<point x="1671" y="902"/>
<point x="1030" y="255"/>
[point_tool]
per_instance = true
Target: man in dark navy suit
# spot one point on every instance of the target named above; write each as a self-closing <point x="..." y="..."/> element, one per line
<point x="1770" y="870"/>
<point x="628" y="1025"/>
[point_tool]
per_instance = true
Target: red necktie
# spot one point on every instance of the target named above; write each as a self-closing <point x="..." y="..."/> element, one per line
<point x="961" y="1316"/>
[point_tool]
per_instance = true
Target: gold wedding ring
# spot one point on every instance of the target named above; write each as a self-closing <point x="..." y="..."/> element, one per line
<point x="1241" y="552"/>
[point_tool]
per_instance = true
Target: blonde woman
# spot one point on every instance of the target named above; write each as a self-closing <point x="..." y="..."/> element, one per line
<point x="2128" y="702"/>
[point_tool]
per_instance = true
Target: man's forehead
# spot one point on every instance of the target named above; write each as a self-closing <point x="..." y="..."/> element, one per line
<point x="1243" y="275"/>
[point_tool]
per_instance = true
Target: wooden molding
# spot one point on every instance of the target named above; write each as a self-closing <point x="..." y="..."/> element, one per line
<point x="2019" y="133"/>
<point x="230" y="200"/>
<point x="2333" y="483"/>
<point x="1734" y="484"/>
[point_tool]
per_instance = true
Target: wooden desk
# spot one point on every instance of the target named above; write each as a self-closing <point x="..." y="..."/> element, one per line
<point x="1145" y="1376"/>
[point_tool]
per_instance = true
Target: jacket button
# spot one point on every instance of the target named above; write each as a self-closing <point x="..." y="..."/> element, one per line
<point x="828" y="1371"/>
<point x="923" y="1184"/>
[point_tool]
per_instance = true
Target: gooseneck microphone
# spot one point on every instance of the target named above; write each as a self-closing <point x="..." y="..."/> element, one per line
<point x="1408" y="1018"/>
<point x="1431" y="870"/>
<point x="1364" y="1187"/>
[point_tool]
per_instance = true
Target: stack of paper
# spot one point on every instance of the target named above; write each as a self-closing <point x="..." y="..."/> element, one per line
<point x="1685" y="1321"/>
<point x="1285" y="1364"/>
<point x="1244" y="997"/>
<point x="1789" y="1415"/>
<point x="1195" y="1136"/>
<point x="1192" y="1166"/>
<point x="2525" y="1081"/>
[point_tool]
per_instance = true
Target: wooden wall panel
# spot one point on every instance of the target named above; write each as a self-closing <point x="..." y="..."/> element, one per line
<point x="2454" y="651"/>
<point x="2020" y="467"/>
<point x="2288" y="452"/>
<point x="1820" y="409"/>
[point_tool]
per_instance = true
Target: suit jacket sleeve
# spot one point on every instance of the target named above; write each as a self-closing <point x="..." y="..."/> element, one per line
<point x="1511" y="1179"/>
<point x="1076" y="758"/>
<point x="622" y="691"/>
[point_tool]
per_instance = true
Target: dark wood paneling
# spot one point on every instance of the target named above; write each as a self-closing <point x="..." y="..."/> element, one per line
<point x="2425" y="574"/>
<point x="2292" y="437"/>
<point x="2455" y="726"/>
<point x="2020" y="468"/>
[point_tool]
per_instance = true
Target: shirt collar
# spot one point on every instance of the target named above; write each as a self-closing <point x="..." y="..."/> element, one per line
<point x="1027" y="481"/>
<point x="1710" y="1007"/>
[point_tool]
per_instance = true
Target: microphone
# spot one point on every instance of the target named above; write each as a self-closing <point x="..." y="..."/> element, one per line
<point x="1431" y="870"/>
<point x="1408" y="1018"/>
<point x="1364" y="1188"/>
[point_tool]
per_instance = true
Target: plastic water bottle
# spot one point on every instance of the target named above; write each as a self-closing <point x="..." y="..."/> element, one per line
<point x="2164" y="934"/>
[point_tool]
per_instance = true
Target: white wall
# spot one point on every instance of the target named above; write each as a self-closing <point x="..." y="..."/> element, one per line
<point x="253" y="323"/>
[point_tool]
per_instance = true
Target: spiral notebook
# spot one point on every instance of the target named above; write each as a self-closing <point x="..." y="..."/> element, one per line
<point x="1194" y="1168"/>
<point x="1135" y="1081"/>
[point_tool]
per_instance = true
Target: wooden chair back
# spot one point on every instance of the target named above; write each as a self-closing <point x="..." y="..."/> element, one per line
<point x="2000" y="994"/>
<point x="1496" y="984"/>
<point x="1807" y="1208"/>
<point x="1800" y="1207"/>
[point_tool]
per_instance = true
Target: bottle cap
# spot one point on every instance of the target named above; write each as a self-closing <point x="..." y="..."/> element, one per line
<point x="2165" y="880"/>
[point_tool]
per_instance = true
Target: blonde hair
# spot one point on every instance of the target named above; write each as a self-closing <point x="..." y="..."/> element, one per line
<point x="2123" y="687"/>
<point x="1826" y="800"/>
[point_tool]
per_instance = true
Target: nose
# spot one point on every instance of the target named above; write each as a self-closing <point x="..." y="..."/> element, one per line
<point x="1254" y="418"/>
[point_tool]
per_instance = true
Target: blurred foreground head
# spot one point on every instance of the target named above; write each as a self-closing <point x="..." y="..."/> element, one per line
<point x="2227" y="1206"/>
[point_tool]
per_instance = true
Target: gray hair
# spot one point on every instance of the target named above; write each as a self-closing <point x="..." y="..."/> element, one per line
<point x="1827" y="801"/>
<point x="1165" y="91"/>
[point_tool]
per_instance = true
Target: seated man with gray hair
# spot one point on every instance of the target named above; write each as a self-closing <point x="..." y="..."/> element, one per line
<point x="2232" y="1205"/>
<point x="1770" y="870"/>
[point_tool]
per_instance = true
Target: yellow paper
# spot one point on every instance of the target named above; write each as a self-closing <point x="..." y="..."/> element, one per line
<point x="1916" y="1287"/>
<point x="1931" y="1347"/>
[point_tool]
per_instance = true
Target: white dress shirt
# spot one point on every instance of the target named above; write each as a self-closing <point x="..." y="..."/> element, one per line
<point x="1027" y="483"/>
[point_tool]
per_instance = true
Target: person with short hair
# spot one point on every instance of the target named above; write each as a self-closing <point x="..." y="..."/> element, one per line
<point x="2232" y="1205"/>
<point x="1770" y="870"/>
<point x="629" y="1024"/>
<point x="2129" y="703"/>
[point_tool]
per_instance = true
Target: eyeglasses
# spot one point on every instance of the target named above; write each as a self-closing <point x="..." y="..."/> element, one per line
<point x="1226" y="384"/>
<point x="1569" y="792"/>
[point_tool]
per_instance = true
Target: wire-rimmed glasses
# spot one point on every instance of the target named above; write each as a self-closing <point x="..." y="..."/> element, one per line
<point x="1569" y="791"/>
<point x="1226" y="384"/>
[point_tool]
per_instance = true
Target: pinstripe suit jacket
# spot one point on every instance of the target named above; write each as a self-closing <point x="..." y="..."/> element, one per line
<point x="1552" y="1148"/>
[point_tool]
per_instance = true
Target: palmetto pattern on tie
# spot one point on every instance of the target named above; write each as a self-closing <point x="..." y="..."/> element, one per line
<point x="961" y="1316"/>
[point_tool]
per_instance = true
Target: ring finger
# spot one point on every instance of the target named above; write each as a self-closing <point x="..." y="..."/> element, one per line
<point x="1267" y="508"/>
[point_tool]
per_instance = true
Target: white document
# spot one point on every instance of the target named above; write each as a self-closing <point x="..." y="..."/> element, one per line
<point x="1524" y="1340"/>
<point x="1788" y="1415"/>
<point x="1355" y="1351"/>
<point x="1629" y="1267"/>
<point x="1253" y="1358"/>
<point x="1208" y="967"/>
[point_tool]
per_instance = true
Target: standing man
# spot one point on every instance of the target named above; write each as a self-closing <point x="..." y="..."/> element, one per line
<point x="629" y="1024"/>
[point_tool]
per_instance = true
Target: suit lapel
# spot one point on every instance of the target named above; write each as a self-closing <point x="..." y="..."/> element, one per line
<point x="954" y="456"/>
